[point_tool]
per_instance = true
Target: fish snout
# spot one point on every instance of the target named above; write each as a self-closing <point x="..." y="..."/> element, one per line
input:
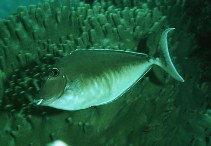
<point x="37" y="101"/>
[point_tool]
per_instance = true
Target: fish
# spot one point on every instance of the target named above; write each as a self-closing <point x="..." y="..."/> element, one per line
<point x="94" y="77"/>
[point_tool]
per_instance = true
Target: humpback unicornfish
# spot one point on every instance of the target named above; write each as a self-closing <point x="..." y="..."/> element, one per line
<point x="94" y="77"/>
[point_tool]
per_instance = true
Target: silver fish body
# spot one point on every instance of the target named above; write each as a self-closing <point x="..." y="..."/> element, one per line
<point x="88" y="78"/>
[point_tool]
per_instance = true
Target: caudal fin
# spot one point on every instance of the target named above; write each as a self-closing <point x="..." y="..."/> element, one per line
<point x="164" y="60"/>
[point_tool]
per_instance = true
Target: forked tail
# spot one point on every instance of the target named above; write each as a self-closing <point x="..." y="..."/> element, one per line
<point x="164" y="60"/>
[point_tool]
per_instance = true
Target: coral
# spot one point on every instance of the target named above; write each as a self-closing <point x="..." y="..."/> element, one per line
<point x="150" y="113"/>
<point x="31" y="36"/>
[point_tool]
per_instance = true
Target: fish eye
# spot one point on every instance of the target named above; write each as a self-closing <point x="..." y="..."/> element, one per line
<point x="54" y="72"/>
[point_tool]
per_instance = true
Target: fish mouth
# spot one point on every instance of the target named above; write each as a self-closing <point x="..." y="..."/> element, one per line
<point x="38" y="101"/>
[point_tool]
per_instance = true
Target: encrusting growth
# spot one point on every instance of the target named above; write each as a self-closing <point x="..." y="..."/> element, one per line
<point x="27" y="35"/>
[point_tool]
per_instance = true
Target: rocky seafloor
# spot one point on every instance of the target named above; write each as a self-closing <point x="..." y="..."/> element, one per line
<point x="156" y="111"/>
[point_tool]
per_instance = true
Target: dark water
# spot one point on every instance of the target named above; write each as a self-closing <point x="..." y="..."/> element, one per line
<point x="7" y="7"/>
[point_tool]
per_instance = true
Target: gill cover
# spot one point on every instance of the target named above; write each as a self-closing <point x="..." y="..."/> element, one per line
<point x="54" y="86"/>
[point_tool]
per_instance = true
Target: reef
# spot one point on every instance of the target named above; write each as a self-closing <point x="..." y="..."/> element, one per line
<point x="51" y="30"/>
<point x="156" y="111"/>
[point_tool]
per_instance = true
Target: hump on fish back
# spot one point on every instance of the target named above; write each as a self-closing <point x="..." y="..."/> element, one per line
<point x="106" y="52"/>
<point x="103" y="54"/>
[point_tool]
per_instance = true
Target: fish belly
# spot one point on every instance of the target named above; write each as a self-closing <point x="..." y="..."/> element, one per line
<point x="112" y="84"/>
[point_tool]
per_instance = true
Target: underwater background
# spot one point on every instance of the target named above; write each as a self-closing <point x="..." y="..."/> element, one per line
<point x="156" y="111"/>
